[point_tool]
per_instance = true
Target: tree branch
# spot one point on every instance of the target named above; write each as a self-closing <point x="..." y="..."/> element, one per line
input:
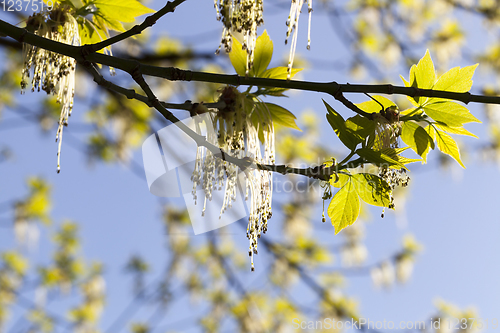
<point x="175" y="74"/>
<point x="137" y="70"/>
<point x="318" y="172"/>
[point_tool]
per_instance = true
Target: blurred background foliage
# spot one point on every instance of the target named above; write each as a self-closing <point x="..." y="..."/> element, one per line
<point x="380" y="35"/>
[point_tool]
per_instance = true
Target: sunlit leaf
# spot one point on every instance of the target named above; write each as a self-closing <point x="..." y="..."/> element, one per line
<point x="282" y="116"/>
<point x="379" y="157"/>
<point x="417" y="138"/>
<point x="344" y="207"/>
<point x="411" y="112"/>
<point x="261" y="116"/>
<point x="431" y="131"/>
<point x="448" y="146"/>
<point x="262" y="54"/>
<point x="90" y="33"/>
<point x="342" y="180"/>
<point x="406" y="83"/>
<point x="394" y="153"/>
<point x="406" y="160"/>
<point x="372" y="189"/>
<point x="425" y="74"/>
<point x="456" y="79"/>
<point x="122" y="11"/>
<point x="238" y="58"/>
<point x="371" y="106"/>
<point x="104" y="23"/>
<point x="450" y="113"/>
<point x="338" y="124"/>
<point x="279" y="73"/>
<point x="422" y="75"/>
<point x="360" y="127"/>
<point x="454" y="130"/>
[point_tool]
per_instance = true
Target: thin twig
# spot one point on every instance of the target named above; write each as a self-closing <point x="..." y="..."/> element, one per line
<point x="135" y="30"/>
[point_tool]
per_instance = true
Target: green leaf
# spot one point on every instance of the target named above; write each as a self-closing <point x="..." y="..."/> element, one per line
<point x="105" y="23"/>
<point x="262" y="54"/>
<point x="456" y="79"/>
<point x="343" y="179"/>
<point x="238" y="58"/>
<point x="338" y="124"/>
<point x="425" y="74"/>
<point x="417" y="138"/>
<point x="387" y="156"/>
<point x="448" y="146"/>
<point x="260" y="115"/>
<point x="90" y="33"/>
<point x="379" y="158"/>
<point x="406" y="83"/>
<point x="282" y="116"/>
<point x="405" y="160"/>
<point x="360" y="127"/>
<point x="344" y="207"/>
<point x="262" y="57"/>
<point x="454" y="130"/>
<point x="122" y="11"/>
<point x="277" y="92"/>
<point x="279" y="73"/>
<point x="266" y="113"/>
<point x="372" y="189"/>
<point x="410" y="112"/>
<point x="394" y="153"/>
<point x="371" y="106"/>
<point x="449" y="113"/>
